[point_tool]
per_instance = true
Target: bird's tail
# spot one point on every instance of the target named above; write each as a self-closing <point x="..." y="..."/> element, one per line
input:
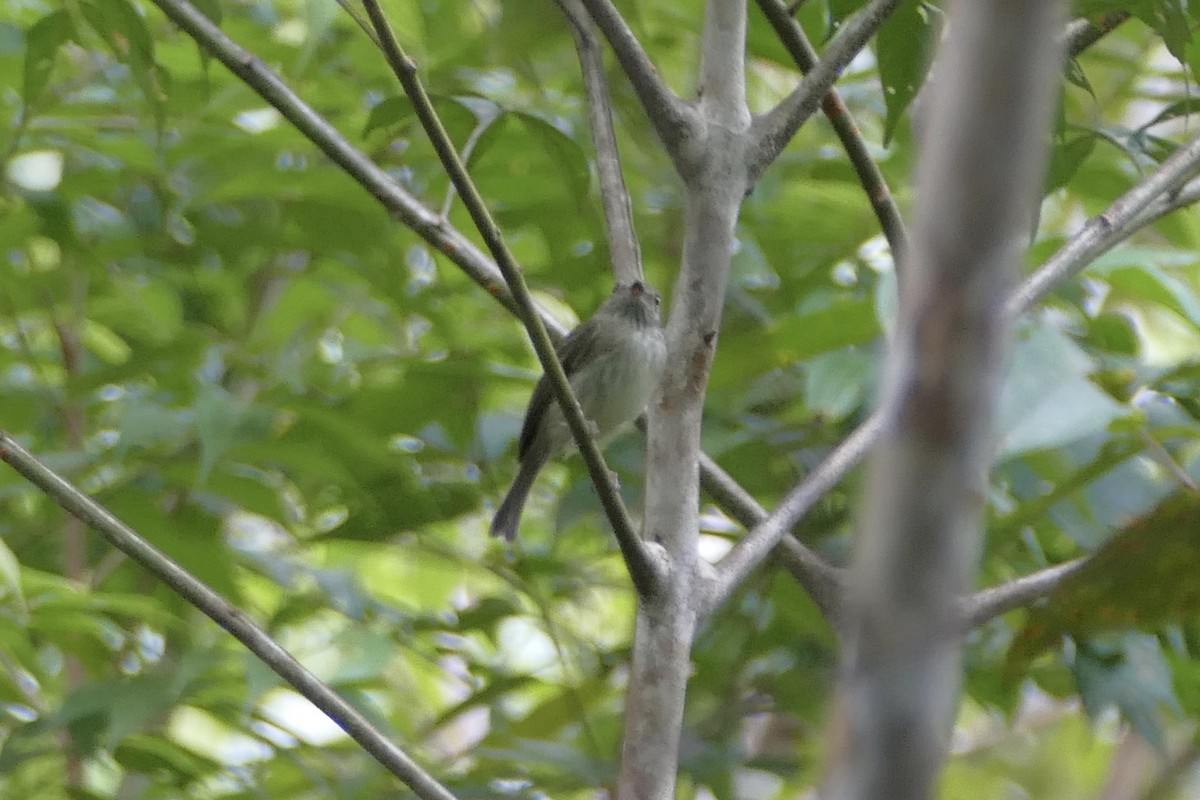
<point x="508" y="516"/>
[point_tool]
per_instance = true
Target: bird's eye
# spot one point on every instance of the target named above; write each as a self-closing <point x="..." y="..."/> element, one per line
<point x="637" y="286"/>
<point x="657" y="299"/>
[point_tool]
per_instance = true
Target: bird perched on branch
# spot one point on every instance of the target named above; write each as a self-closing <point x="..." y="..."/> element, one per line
<point x="613" y="362"/>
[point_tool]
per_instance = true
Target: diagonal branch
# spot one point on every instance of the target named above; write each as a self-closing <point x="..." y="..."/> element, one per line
<point x="220" y="611"/>
<point x="987" y="604"/>
<point x="675" y="121"/>
<point x="1184" y="196"/>
<point x="618" y="210"/>
<point x="772" y="131"/>
<point x="869" y="175"/>
<point x="752" y="548"/>
<point x="1103" y="231"/>
<point x="644" y="569"/>
<point x="820" y="579"/>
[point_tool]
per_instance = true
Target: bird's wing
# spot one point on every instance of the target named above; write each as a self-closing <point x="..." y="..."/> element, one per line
<point x="574" y="351"/>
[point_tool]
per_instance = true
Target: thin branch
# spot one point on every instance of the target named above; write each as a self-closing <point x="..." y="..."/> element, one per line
<point x="1081" y="34"/>
<point x="869" y="175"/>
<point x="821" y="580"/>
<point x="645" y="571"/>
<point x="675" y="121"/>
<point x="220" y="611"/>
<point x="1103" y="231"/>
<point x="618" y="210"/>
<point x="1163" y="456"/>
<point x="772" y="131"/>
<point x="750" y="551"/>
<point x="468" y="148"/>
<point x="353" y="11"/>
<point x="988" y="604"/>
<point x="1183" y="197"/>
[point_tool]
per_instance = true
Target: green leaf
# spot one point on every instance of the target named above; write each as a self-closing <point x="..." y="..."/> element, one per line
<point x="1169" y="20"/>
<point x="835" y="384"/>
<point x="148" y="312"/>
<point x="504" y="163"/>
<point x="41" y="49"/>
<point x="221" y="419"/>
<point x="1066" y="158"/>
<point x="840" y="325"/>
<point x="839" y="10"/>
<point x="1180" y="108"/>
<point x="187" y="534"/>
<point x="1077" y="77"/>
<point x="124" y="31"/>
<point x="456" y="114"/>
<point x="1135" y="277"/>
<point x="1146" y="575"/>
<point x="904" y="48"/>
<point x="1130" y="674"/>
<point x="797" y="339"/>
<point x="1047" y="399"/>
<point x="104" y="343"/>
<point x="161" y="759"/>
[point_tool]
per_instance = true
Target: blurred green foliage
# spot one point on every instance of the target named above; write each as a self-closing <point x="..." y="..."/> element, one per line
<point x="228" y="342"/>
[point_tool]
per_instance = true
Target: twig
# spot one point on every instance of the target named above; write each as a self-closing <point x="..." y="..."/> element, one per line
<point x="869" y="175"/>
<point x="1164" y="457"/>
<point x="772" y="131"/>
<point x="220" y="611"/>
<point x="749" y="552"/>
<point x="1081" y="34"/>
<point x="352" y="10"/>
<point x="822" y="580"/>
<point x="1184" y="196"/>
<point x="1103" y="231"/>
<point x="987" y="604"/>
<point x="618" y="210"/>
<point x="673" y="120"/>
<point x="468" y="147"/>
<point x="645" y="571"/>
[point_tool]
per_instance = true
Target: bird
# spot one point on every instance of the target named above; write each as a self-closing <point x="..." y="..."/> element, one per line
<point x="613" y="362"/>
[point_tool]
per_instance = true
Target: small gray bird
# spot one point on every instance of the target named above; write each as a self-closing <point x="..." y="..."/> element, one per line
<point x="613" y="362"/>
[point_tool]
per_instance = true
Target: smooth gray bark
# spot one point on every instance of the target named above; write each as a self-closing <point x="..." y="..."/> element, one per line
<point x="980" y="169"/>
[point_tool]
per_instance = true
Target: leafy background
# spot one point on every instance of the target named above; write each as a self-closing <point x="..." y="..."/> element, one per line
<point x="231" y="345"/>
